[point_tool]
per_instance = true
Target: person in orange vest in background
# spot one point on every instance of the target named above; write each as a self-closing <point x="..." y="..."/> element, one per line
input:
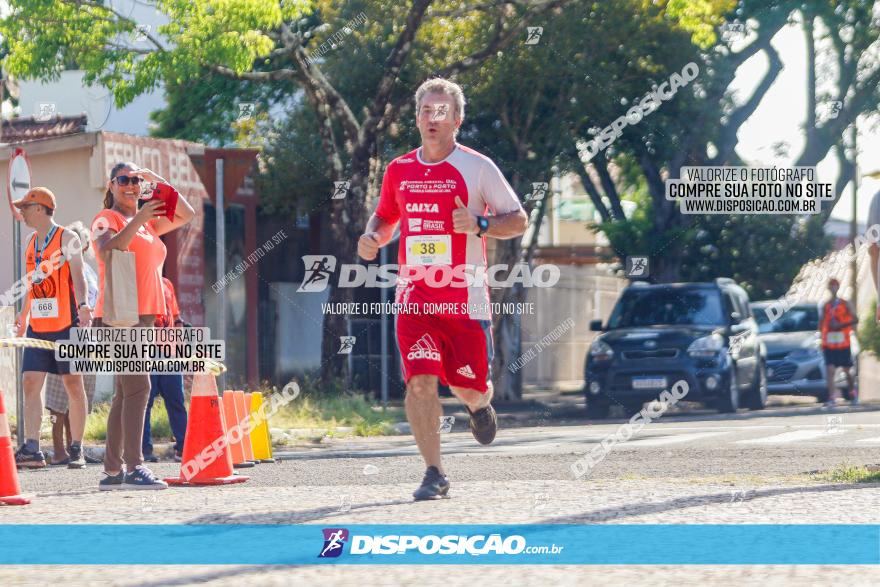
<point x="838" y="319"/>
<point x="168" y="385"/>
<point x="55" y="392"/>
<point x="56" y="302"/>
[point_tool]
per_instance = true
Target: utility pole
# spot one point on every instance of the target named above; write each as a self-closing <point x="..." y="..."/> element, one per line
<point x="853" y="226"/>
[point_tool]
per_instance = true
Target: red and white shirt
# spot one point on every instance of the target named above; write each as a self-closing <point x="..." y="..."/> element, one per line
<point x="421" y="196"/>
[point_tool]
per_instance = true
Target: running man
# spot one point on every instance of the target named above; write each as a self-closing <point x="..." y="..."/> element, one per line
<point x="439" y="194"/>
<point x="56" y="302"/>
<point x="838" y="319"/>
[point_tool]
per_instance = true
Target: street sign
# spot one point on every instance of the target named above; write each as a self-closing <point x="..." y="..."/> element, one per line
<point x="18" y="185"/>
<point x="19" y="180"/>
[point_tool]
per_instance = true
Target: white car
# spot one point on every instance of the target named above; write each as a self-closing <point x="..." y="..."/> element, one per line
<point x="795" y="364"/>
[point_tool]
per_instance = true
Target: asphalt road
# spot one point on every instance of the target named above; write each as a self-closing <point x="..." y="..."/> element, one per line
<point x="779" y="441"/>
<point x="699" y="468"/>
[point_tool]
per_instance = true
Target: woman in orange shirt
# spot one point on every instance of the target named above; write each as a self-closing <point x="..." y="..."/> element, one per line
<point x="122" y="226"/>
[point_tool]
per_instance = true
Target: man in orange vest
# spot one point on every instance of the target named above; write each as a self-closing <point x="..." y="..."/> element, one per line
<point x="55" y="303"/>
<point x="838" y="319"/>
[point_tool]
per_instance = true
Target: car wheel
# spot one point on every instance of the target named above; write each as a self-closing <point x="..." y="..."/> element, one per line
<point x="757" y="399"/>
<point x="597" y="408"/>
<point x="728" y="401"/>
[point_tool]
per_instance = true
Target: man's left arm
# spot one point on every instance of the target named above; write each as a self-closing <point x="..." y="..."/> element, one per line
<point x="852" y="312"/>
<point x="507" y="225"/>
<point x="508" y="219"/>
<point x="73" y="253"/>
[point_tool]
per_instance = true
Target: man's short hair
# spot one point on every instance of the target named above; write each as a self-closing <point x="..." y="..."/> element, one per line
<point x="439" y="85"/>
<point x="49" y="211"/>
<point x="834" y="281"/>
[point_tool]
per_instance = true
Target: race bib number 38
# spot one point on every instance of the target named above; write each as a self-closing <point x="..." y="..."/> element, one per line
<point x="44" y="308"/>
<point x="433" y="249"/>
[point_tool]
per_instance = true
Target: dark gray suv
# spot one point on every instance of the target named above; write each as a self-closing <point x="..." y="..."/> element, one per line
<point x="702" y="333"/>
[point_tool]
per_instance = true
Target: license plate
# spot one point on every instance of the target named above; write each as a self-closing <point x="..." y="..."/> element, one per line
<point x="649" y="382"/>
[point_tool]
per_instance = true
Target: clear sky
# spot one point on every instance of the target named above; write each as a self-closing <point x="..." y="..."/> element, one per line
<point x="781" y="114"/>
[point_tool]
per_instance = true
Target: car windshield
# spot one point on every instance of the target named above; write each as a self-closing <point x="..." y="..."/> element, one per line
<point x="796" y="319"/>
<point x="677" y="306"/>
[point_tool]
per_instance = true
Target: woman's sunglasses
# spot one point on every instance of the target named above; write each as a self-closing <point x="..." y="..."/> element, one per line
<point x="127" y="179"/>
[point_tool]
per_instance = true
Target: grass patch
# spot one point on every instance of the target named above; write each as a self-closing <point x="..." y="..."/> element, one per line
<point x="320" y="408"/>
<point x="326" y="410"/>
<point x="850" y="474"/>
<point x="327" y="413"/>
<point x="96" y="422"/>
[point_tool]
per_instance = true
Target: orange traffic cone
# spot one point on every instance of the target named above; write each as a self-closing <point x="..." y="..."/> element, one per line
<point x="230" y="421"/>
<point x="206" y="457"/>
<point x="245" y="414"/>
<point x="10" y="491"/>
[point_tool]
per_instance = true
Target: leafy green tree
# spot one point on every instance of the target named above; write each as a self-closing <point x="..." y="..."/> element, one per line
<point x="525" y="103"/>
<point x="763" y="253"/>
<point x="267" y="42"/>
<point x="700" y="125"/>
<point x="520" y="112"/>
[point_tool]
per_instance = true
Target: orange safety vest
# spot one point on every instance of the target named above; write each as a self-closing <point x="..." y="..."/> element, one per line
<point x="53" y="300"/>
<point x="835" y="339"/>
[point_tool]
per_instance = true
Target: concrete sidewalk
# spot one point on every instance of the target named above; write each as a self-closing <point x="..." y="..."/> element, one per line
<point x="776" y="501"/>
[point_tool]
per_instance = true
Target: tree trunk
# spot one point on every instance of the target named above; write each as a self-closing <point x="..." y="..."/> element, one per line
<point x="665" y="268"/>
<point x="333" y="365"/>
<point x="347" y="221"/>
<point x="507" y="328"/>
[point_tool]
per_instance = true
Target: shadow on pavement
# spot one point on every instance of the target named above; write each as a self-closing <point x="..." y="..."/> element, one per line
<point x="632" y="510"/>
<point x="293" y="517"/>
<point x="463" y="444"/>
<point x="205" y="576"/>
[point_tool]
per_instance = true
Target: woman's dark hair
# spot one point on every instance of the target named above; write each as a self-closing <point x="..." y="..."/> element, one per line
<point x="108" y="197"/>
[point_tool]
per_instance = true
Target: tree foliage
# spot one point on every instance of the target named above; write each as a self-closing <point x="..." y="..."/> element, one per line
<point x="333" y="84"/>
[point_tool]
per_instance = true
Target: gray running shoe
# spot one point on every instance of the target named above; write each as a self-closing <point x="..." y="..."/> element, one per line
<point x="434" y="485"/>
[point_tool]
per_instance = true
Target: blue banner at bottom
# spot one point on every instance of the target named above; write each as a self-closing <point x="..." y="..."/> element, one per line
<point x="546" y="544"/>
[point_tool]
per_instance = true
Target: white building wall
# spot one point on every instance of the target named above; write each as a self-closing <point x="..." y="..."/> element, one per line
<point x="70" y="97"/>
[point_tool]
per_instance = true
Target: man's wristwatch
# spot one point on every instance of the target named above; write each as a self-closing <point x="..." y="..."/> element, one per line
<point x="483" y="224"/>
<point x="86" y="304"/>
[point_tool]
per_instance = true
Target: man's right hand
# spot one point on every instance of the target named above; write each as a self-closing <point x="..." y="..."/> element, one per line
<point x="20" y="325"/>
<point x="368" y="246"/>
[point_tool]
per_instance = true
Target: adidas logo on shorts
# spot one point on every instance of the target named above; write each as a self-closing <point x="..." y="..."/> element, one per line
<point x="466" y="371"/>
<point x="425" y="348"/>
